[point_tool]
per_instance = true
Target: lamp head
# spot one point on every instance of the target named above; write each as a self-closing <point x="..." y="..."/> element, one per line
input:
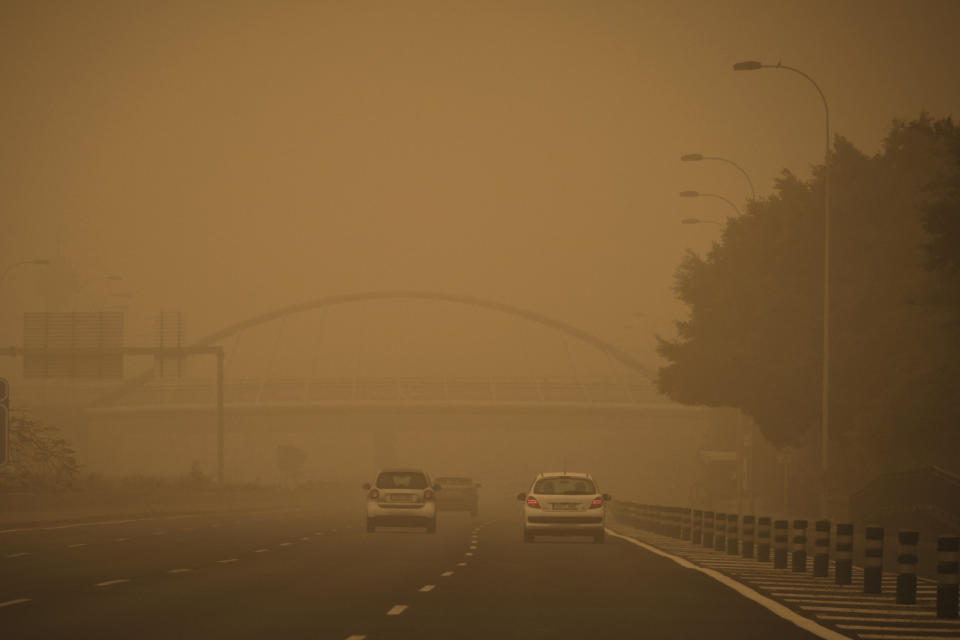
<point x="690" y="221"/>
<point x="691" y="157"/>
<point x="42" y="261"/>
<point x="689" y="194"/>
<point x="748" y="65"/>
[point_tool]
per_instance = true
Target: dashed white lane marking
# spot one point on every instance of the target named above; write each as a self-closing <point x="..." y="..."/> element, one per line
<point x="17" y="555"/>
<point x="320" y="533"/>
<point x="229" y="560"/>
<point x="305" y="539"/>
<point x="120" y="539"/>
<point x="778" y="609"/>
<point x="468" y="553"/>
<point x="110" y="582"/>
<point x="159" y="533"/>
<point x="397" y="609"/>
<point x="473" y="546"/>
<point x="357" y="638"/>
<point x="447" y="574"/>
<point x="427" y="587"/>
<point x="285" y="544"/>
<point x="179" y="570"/>
<point x="74" y="546"/>
<point x="261" y="550"/>
<point x="461" y="564"/>
<point x="10" y="603"/>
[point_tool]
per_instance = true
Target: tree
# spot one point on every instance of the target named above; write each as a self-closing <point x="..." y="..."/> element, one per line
<point x="39" y="457"/>
<point x="753" y="338"/>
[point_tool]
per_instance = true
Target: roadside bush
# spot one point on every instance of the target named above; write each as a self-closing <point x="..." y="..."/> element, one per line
<point x="39" y="457"/>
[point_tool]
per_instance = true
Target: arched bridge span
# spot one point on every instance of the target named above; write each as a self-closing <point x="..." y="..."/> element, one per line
<point x="566" y="328"/>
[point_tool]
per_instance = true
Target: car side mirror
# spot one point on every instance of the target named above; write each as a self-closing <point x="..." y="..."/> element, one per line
<point x="437" y="487"/>
<point x="366" y="486"/>
<point x="607" y="497"/>
<point x="521" y="497"/>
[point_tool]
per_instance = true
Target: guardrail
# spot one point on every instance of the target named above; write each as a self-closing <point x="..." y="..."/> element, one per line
<point x="721" y="533"/>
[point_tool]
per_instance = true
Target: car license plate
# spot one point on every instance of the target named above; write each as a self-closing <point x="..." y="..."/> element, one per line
<point x="565" y="506"/>
<point x="401" y="497"/>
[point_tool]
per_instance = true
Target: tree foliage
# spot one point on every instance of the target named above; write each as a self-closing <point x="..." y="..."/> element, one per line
<point x="39" y="457"/>
<point x="753" y="338"/>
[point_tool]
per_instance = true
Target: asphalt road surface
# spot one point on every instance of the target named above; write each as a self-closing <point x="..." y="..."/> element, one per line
<point x="307" y="574"/>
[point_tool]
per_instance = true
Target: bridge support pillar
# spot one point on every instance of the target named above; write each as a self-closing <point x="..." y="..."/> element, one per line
<point x="384" y="448"/>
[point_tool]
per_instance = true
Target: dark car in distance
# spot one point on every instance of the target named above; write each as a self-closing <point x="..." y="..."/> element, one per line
<point x="458" y="494"/>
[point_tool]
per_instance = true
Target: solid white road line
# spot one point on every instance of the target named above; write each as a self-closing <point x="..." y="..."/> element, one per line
<point x="74" y="546"/>
<point x="427" y="587"/>
<point x="447" y="574"/>
<point x="397" y="609"/>
<point x="179" y="570"/>
<point x="17" y="555"/>
<point x="9" y="603"/>
<point x="261" y="550"/>
<point x="804" y="623"/>
<point x="881" y="636"/>
<point x="867" y="627"/>
<point x="110" y="582"/>
<point x="229" y="560"/>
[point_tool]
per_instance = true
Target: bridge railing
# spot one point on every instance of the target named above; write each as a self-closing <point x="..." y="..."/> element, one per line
<point x="596" y="389"/>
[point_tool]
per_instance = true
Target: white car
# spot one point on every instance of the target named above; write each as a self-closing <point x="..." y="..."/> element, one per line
<point x="402" y="497"/>
<point x="565" y="504"/>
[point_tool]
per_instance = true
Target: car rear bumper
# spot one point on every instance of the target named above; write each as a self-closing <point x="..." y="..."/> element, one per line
<point x="401" y="513"/>
<point x="581" y="523"/>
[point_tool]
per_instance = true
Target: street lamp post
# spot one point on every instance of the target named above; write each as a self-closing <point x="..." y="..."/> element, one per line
<point x="696" y="157"/>
<point x="698" y="194"/>
<point x="753" y="65"/>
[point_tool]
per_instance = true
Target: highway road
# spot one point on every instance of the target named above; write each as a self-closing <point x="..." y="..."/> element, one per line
<point x="312" y="574"/>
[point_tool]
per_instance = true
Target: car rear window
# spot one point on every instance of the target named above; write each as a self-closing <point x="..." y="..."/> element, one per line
<point x="565" y="486"/>
<point x="401" y="480"/>
<point x="454" y="481"/>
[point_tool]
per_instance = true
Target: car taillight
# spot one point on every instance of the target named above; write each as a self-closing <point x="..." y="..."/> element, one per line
<point x="532" y="502"/>
<point x="428" y="494"/>
<point x="597" y="503"/>
<point x="374" y="494"/>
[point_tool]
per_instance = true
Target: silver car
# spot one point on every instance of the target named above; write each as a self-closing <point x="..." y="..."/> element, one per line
<point x="402" y="497"/>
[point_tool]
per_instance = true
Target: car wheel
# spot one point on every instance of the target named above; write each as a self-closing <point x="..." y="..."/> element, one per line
<point x="371" y="527"/>
<point x="527" y="536"/>
<point x="598" y="538"/>
<point x="432" y="526"/>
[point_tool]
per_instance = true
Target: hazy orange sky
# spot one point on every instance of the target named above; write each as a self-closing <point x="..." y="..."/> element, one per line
<point x="229" y="157"/>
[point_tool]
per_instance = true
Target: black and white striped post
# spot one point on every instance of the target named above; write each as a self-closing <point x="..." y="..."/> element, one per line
<point x="763" y="539"/>
<point x="780" y="544"/>
<point x="696" y="530"/>
<point x="948" y="572"/>
<point x="733" y="537"/>
<point x="907" y="567"/>
<point x="720" y="532"/>
<point x="798" y="546"/>
<point x="708" y="529"/>
<point x="843" y="553"/>
<point x="873" y="560"/>
<point x="821" y="549"/>
<point x="747" y="533"/>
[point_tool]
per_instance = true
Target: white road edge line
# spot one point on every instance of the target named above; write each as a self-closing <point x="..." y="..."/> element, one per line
<point x="9" y="603"/>
<point x="110" y="582"/>
<point x="427" y="587"/>
<point x="397" y="609"/>
<point x="778" y="609"/>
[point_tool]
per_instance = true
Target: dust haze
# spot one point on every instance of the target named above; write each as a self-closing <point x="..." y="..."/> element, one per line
<point x="503" y="178"/>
